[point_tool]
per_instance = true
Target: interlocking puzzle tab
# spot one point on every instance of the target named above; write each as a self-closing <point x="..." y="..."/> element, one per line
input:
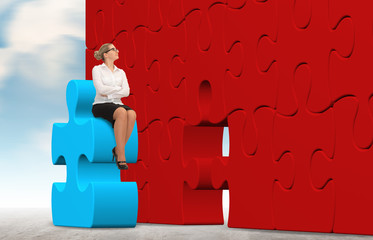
<point x="93" y="195"/>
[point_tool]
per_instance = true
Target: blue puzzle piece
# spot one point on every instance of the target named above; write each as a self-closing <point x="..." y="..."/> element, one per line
<point x="93" y="195"/>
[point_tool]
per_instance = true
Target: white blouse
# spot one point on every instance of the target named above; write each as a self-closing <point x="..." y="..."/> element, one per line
<point x="110" y="86"/>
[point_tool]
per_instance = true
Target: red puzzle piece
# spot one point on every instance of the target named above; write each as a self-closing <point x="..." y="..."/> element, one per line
<point x="251" y="177"/>
<point x="351" y="172"/>
<point x="252" y="88"/>
<point x="165" y="95"/>
<point x="304" y="39"/>
<point x="99" y="23"/>
<point x="128" y="15"/>
<point x="139" y="172"/>
<point x="207" y="70"/>
<point x="301" y="206"/>
<point x="353" y="76"/>
<point x="170" y="199"/>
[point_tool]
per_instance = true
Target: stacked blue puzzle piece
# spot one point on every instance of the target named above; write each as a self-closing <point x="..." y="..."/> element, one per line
<point x="93" y="195"/>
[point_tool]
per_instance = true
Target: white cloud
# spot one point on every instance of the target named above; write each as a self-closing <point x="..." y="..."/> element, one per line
<point x="44" y="49"/>
<point x="45" y="39"/>
<point x="28" y="172"/>
<point x="5" y="4"/>
<point x="42" y="22"/>
<point x="4" y="65"/>
<point x="42" y="140"/>
<point x="53" y="64"/>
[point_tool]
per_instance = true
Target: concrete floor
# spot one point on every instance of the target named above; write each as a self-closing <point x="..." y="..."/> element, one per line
<point x="37" y="224"/>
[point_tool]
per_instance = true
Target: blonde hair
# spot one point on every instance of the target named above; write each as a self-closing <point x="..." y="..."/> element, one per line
<point x="99" y="55"/>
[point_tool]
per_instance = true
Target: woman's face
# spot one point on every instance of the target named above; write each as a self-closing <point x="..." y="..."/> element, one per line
<point x="112" y="54"/>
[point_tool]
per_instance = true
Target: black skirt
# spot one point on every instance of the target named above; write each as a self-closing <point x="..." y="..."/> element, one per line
<point x="106" y="110"/>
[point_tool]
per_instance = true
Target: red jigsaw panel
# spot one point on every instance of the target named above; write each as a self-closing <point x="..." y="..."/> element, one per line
<point x="164" y="12"/>
<point x="238" y="4"/>
<point x="143" y="211"/>
<point x="139" y="173"/>
<point x="351" y="171"/>
<point x="166" y="93"/>
<point x="353" y="76"/>
<point x="304" y="36"/>
<point x="90" y="62"/>
<point x="164" y="109"/>
<point x="252" y="88"/>
<point x="128" y="15"/>
<point x="207" y="70"/>
<point x="182" y="8"/>
<point x="256" y="18"/>
<point x="200" y="152"/>
<point x="300" y="206"/>
<point x="99" y="23"/>
<point x="290" y="78"/>
<point x="172" y="201"/>
<point x="172" y="37"/>
<point x="251" y="177"/>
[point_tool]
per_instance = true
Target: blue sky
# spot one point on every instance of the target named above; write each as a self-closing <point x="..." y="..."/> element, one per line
<point x="42" y="47"/>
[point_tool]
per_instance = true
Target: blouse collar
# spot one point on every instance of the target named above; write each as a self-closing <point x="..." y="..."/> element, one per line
<point x="115" y="67"/>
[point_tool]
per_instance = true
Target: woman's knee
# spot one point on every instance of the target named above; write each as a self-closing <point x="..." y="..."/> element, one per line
<point x="120" y="113"/>
<point x="131" y="114"/>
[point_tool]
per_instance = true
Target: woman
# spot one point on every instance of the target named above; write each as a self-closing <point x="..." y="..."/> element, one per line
<point x="111" y="85"/>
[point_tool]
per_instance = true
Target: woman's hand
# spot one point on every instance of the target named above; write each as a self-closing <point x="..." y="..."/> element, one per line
<point x="103" y="95"/>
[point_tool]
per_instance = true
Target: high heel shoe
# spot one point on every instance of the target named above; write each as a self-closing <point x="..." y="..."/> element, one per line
<point x="120" y="166"/>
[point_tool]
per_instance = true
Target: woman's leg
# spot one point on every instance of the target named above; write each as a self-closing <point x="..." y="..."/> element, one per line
<point x="120" y="130"/>
<point x="131" y="119"/>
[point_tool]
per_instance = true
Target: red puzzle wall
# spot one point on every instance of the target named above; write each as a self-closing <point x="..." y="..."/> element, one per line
<point x="293" y="81"/>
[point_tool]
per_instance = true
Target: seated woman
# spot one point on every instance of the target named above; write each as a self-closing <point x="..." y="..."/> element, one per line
<point x="111" y="85"/>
